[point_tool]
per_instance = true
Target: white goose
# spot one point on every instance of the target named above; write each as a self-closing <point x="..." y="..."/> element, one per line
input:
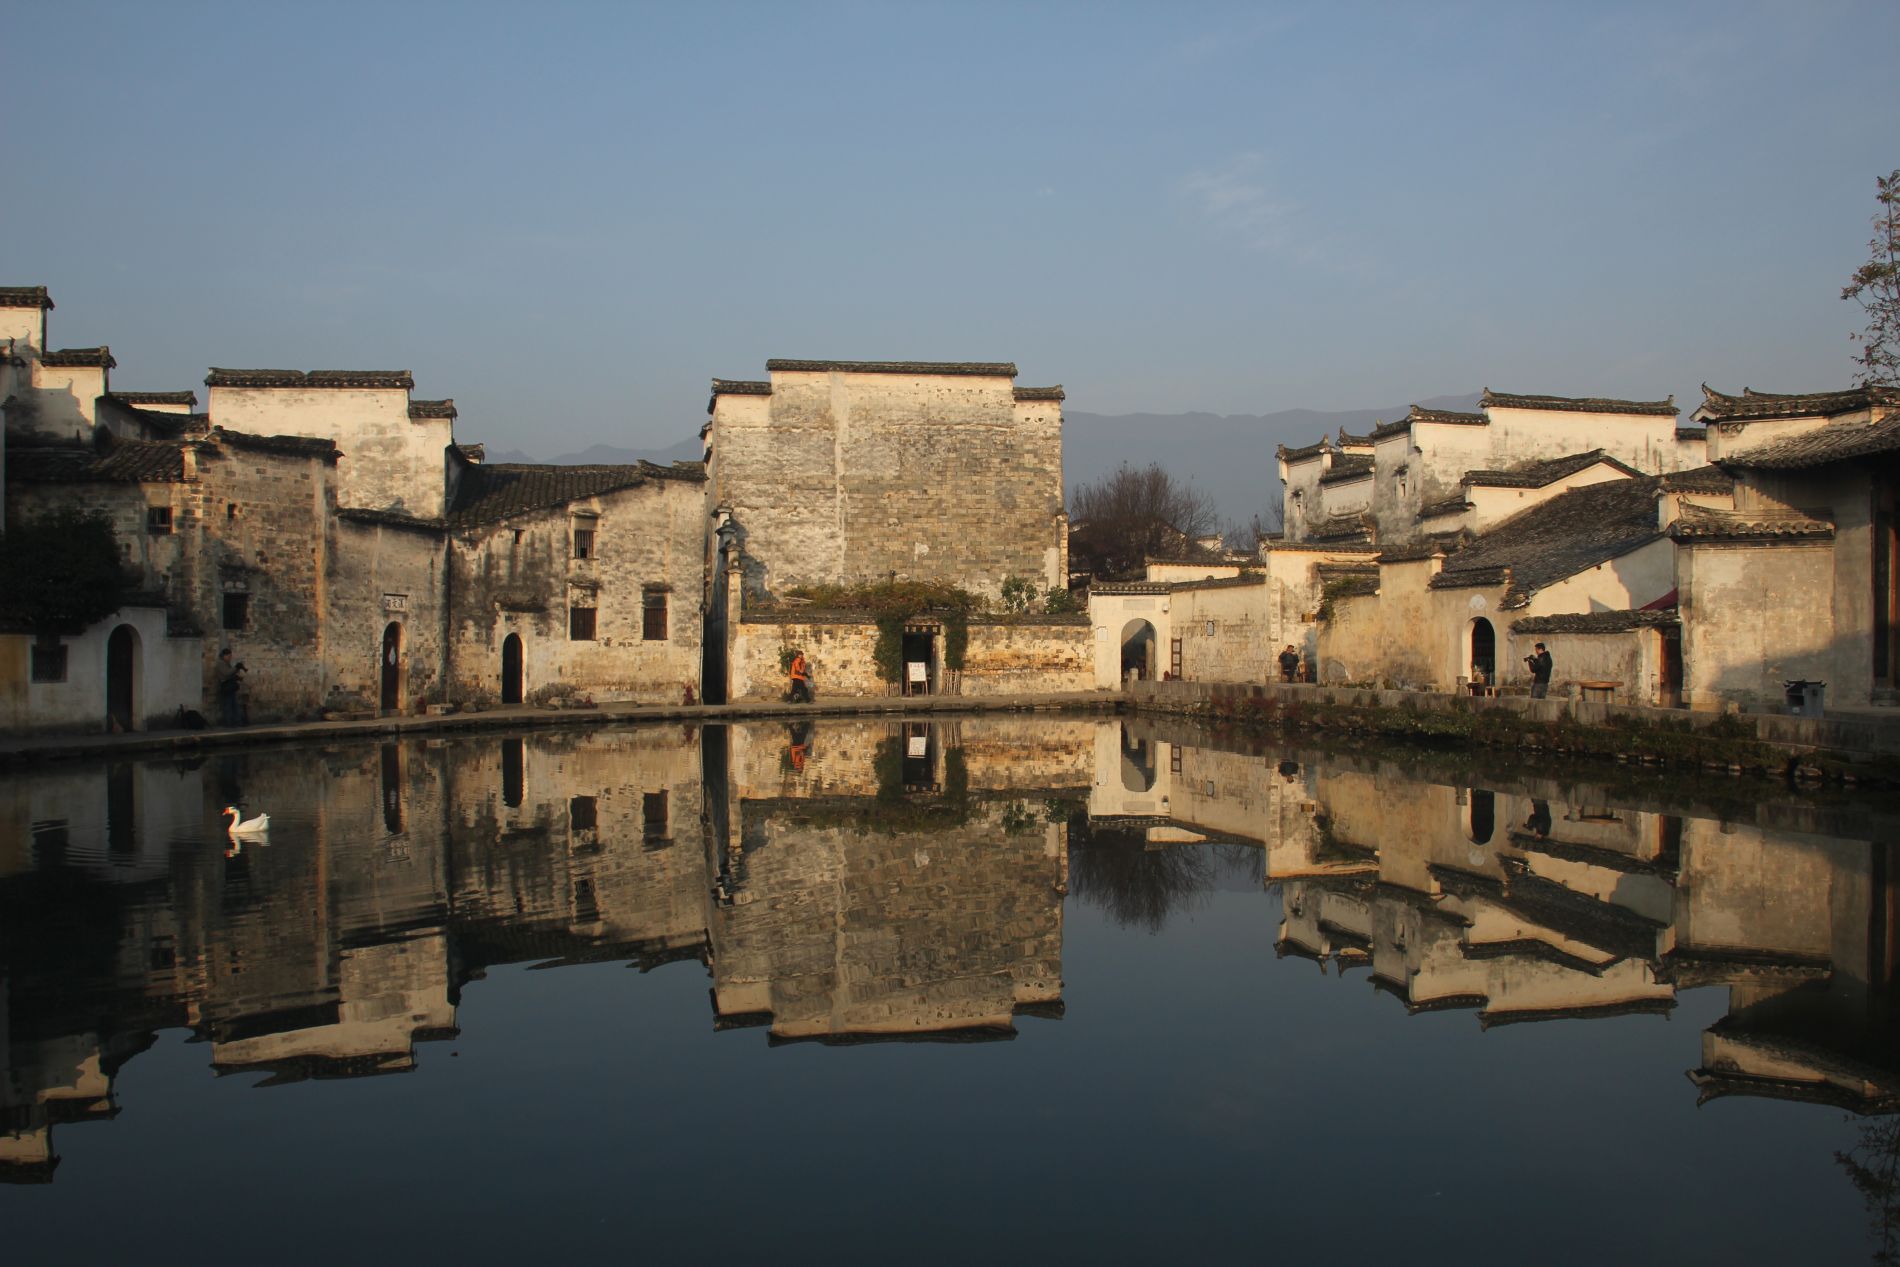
<point x="249" y="828"/>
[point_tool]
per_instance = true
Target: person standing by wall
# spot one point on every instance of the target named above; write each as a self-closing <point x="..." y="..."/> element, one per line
<point x="801" y="678"/>
<point x="1540" y="664"/>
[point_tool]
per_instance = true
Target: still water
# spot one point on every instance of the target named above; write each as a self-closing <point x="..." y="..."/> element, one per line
<point x="1015" y="989"/>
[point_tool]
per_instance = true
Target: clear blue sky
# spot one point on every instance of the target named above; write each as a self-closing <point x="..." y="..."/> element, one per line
<point x="570" y="217"/>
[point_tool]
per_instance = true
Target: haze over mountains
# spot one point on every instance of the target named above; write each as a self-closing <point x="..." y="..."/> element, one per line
<point x="1228" y="456"/>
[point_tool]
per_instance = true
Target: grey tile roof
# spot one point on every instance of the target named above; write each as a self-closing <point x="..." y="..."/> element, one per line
<point x="1302" y="454"/>
<point x="158" y="398"/>
<point x="1820" y="447"/>
<point x="1319" y="547"/>
<point x="25" y="297"/>
<point x="311" y="378"/>
<point x="1752" y="405"/>
<point x="1559" y="538"/>
<point x="1665" y="408"/>
<point x="1699" y="479"/>
<point x="304" y="446"/>
<point x="1454" y="417"/>
<point x="1336" y="528"/>
<point x="1386" y="430"/>
<point x="740" y="387"/>
<point x="1692" y="433"/>
<point x="978" y="369"/>
<point x="1349" y="440"/>
<point x="98" y="358"/>
<point x="389" y="519"/>
<point x="1347" y="467"/>
<point x="1596" y="622"/>
<point x="490" y="494"/>
<point x="1041" y="393"/>
<point x="1701" y="523"/>
<point x="1128" y="587"/>
<point x="1548" y="471"/>
<point x="432" y="409"/>
<point x="118" y="462"/>
<point x="473" y="452"/>
<point x="1412" y="551"/>
<point x="1454" y="505"/>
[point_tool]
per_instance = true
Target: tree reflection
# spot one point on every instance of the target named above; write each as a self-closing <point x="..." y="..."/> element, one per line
<point x="1139" y="887"/>
<point x="1873" y="1167"/>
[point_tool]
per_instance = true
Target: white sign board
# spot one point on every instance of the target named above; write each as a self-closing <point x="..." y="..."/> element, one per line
<point x="918" y="671"/>
<point x="919" y="746"/>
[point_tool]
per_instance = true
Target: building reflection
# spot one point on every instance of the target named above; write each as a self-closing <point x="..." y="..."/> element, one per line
<point x="1524" y="899"/>
<point x="893" y="881"/>
<point x="862" y="883"/>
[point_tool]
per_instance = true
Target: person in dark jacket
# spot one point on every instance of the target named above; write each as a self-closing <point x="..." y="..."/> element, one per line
<point x="1289" y="664"/>
<point x="1540" y="671"/>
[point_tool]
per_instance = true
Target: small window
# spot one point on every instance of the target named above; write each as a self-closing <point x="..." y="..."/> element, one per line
<point x="653" y="815"/>
<point x="583" y="543"/>
<point x="1210" y="629"/>
<point x="49" y="662"/>
<point x="583" y="813"/>
<point x="230" y="510"/>
<point x="653" y="622"/>
<point x="517" y="536"/>
<point x="580" y="624"/>
<point x="158" y="520"/>
<point x="237" y="611"/>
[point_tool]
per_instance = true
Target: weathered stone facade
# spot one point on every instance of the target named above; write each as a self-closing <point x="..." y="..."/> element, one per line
<point x="842" y="472"/>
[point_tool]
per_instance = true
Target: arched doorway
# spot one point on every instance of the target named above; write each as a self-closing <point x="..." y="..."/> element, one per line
<point x="1482" y="820"/>
<point x="122" y="679"/>
<point x="1138" y="762"/>
<point x="1138" y="650"/>
<point x="392" y="668"/>
<point x="511" y="669"/>
<point x="1484" y="651"/>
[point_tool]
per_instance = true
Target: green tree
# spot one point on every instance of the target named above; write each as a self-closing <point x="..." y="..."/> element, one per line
<point x="1876" y="287"/>
<point x="61" y="572"/>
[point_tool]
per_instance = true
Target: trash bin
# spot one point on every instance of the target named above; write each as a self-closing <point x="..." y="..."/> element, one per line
<point x="1805" y="698"/>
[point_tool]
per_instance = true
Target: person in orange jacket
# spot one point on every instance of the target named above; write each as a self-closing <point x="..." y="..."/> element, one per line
<point x="801" y="679"/>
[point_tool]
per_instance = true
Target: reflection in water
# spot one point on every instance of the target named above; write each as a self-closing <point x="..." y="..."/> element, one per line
<point x="907" y="880"/>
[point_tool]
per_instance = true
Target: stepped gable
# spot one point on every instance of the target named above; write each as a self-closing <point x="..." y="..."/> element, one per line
<point x="432" y="409"/>
<point x="1665" y="408"/>
<point x="489" y="494"/>
<point x="974" y="369"/>
<point x="25" y="297"/>
<point x="1347" y="467"/>
<point x="310" y="378"/>
<point x="1819" y="448"/>
<point x="1546" y="472"/>
<point x="740" y="387"/>
<point x="1559" y="538"/>
<point x="1753" y="406"/>
<point x="1041" y="393"/>
<point x="1347" y="440"/>
<point x="1456" y="504"/>
<point x="95" y="358"/>
<point x="1302" y="454"/>
<point x="115" y="462"/>
<point x="1702" y="523"/>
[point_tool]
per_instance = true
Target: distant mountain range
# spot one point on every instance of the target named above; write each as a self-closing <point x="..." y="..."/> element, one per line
<point x="1229" y="456"/>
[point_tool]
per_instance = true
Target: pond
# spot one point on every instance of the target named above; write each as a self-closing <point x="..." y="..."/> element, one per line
<point x="1012" y="987"/>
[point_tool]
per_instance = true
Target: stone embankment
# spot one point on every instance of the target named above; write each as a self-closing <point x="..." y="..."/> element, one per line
<point x="1847" y="749"/>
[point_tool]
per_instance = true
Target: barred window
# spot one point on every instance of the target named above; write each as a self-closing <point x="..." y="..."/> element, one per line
<point x="158" y="520"/>
<point x="580" y="624"/>
<point x="653" y="623"/>
<point x="49" y="661"/>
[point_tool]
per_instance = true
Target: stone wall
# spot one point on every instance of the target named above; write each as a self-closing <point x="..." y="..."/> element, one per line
<point x="1225" y="631"/>
<point x="166" y="676"/>
<point x="1004" y="656"/>
<point x="390" y="460"/>
<point x="1754" y="617"/>
<point x="379" y="575"/>
<point x="851" y="477"/>
<point x="521" y="578"/>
